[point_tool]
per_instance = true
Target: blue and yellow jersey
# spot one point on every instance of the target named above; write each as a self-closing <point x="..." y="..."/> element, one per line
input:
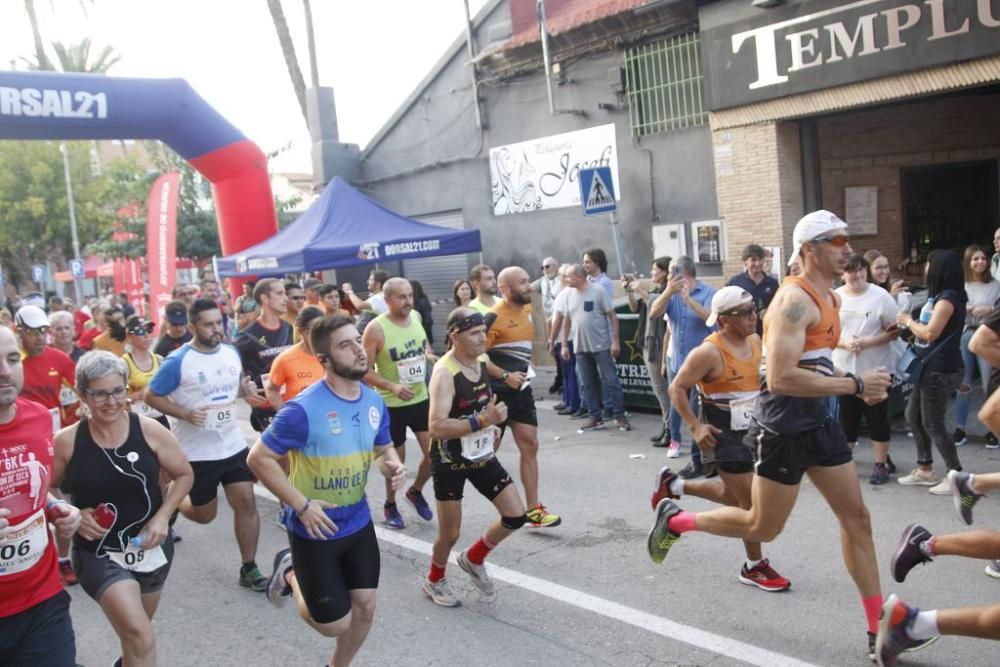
<point x="329" y="442"/>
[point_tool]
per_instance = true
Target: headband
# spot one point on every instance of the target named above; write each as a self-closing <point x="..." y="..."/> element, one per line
<point x="466" y="323"/>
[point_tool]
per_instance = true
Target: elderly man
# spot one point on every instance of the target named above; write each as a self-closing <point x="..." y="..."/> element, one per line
<point x="549" y="286"/>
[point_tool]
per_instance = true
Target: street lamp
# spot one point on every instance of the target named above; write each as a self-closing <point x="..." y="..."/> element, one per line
<point x="77" y="287"/>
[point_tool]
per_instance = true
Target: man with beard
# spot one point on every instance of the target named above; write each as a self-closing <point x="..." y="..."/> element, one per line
<point x="484" y="284"/>
<point x="509" y="337"/>
<point x="397" y="349"/>
<point x="198" y="386"/>
<point x="330" y="433"/>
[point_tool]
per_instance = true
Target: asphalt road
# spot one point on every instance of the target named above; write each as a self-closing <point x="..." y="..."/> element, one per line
<point x="584" y="593"/>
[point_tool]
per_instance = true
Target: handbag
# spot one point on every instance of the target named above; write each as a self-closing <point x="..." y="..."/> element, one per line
<point x="910" y="365"/>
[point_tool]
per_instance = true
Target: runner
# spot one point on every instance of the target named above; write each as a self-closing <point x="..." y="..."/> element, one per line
<point x="509" y="338"/>
<point x="332" y="567"/>
<point x="295" y="299"/>
<point x="48" y="378"/>
<point x="111" y="463"/>
<point x="35" y="624"/>
<point x="397" y="351"/>
<point x="260" y="341"/>
<point x="198" y="386"/>
<point x="174" y="328"/>
<point x="142" y="366"/>
<point x="725" y="368"/>
<point x="297" y="367"/>
<point x="791" y="426"/>
<point x="464" y="413"/>
<point x="63" y="332"/>
<point x="484" y="284"/>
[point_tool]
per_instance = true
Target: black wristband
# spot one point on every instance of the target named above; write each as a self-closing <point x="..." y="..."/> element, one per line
<point x="859" y="384"/>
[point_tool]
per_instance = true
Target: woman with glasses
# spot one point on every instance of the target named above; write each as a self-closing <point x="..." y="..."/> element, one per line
<point x="879" y="273"/>
<point x="983" y="292"/>
<point x="110" y="463"/>
<point x="142" y="365"/>
<point x="937" y="339"/>
<point x="868" y="326"/>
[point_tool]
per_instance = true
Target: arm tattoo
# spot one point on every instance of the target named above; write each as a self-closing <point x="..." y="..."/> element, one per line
<point x="795" y="311"/>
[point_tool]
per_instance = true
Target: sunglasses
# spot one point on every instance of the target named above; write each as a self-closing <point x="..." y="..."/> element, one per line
<point x="836" y="241"/>
<point x="548" y="266"/>
<point x="741" y="312"/>
<point x="38" y="331"/>
<point x="141" y="330"/>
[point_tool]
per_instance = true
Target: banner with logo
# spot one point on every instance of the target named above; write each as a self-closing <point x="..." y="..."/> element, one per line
<point x="542" y="173"/>
<point x="161" y="242"/>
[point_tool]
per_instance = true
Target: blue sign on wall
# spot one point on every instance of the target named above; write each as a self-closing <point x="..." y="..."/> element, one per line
<point x="597" y="191"/>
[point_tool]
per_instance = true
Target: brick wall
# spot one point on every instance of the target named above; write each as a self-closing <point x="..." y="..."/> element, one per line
<point x="869" y="147"/>
<point x="759" y="186"/>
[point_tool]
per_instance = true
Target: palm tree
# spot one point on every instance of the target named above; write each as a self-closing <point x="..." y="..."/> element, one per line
<point x="76" y="57"/>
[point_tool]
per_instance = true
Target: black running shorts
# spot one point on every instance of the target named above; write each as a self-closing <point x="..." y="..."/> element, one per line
<point x="877" y="416"/>
<point x="786" y="458"/>
<point x="40" y="635"/>
<point x="489" y="478"/>
<point x="415" y="416"/>
<point x="328" y="569"/>
<point x="520" y="406"/>
<point x="731" y="453"/>
<point x="209" y="474"/>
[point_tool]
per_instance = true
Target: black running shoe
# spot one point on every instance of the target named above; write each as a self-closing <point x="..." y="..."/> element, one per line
<point x="908" y="554"/>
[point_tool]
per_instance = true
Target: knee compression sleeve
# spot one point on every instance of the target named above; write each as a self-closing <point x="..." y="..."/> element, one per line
<point x="513" y="522"/>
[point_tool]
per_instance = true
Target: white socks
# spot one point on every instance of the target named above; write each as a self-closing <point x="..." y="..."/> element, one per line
<point x="924" y="625"/>
<point x="677" y="487"/>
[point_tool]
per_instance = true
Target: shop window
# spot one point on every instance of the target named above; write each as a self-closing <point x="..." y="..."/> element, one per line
<point x="663" y="82"/>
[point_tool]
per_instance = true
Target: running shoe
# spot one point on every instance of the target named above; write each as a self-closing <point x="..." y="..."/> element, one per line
<point x="893" y="637"/>
<point x="918" y="477"/>
<point x="959" y="437"/>
<point x="539" y="517"/>
<point x="892" y="466"/>
<point x="251" y="577"/>
<point x="991" y="441"/>
<point x="692" y="470"/>
<point x="965" y="498"/>
<point x="66" y="573"/>
<point x="764" y="577"/>
<point x="440" y="593"/>
<point x="477" y="573"/>
<point x="940" y="489"/>
<point x="580" y="414"/>
<point x="909" y="554"/>
<point x="880" y="474"/>
<point x="661" y="486"/>
<point x="623" y="423"/>
<point x="559" y="406"/>
<point x="661" y="538"/>
<point x="417" y="500"/>
<point x="278" y="591"/>
<point x="566" y="412"/>
<point x="664" y="434"/>
<point x="674" y="451"/>
<point x="591" y="425"/>
<point x="872" y="654"/>
<point x="393" y="519"/>
<point x="993" y="569"/>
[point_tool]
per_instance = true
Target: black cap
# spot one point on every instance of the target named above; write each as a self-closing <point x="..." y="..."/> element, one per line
<point x="176" y="312"/>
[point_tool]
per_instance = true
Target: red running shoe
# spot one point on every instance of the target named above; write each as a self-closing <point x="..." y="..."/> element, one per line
<point x="661" y="488"/>
<point x="764" y="577"/>
<point x="66" y="573"/>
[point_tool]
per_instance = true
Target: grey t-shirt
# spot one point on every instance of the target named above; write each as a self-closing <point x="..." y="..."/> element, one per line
<point x="588" y="311"/>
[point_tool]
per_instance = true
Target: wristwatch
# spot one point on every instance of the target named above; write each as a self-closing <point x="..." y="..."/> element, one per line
<point x="505" y="375"/>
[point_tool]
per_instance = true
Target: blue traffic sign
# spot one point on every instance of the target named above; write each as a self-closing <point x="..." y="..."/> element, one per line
<point x="38" y="273"/>
<point x="76" y="268"/>
<point x="597" y="191"/>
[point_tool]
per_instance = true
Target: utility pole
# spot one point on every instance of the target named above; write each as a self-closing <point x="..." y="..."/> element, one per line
<point x="77" y="287"/>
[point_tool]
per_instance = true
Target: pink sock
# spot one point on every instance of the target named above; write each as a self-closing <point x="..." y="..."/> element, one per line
<point x="682" y="523"/>
<point x="873" y="609"/>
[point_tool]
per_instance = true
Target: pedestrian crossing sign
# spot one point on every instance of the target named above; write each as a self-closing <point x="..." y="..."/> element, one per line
<point x="597" y="191"/>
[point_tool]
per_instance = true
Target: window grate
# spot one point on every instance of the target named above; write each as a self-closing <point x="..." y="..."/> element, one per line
<point x="663" y="82"/>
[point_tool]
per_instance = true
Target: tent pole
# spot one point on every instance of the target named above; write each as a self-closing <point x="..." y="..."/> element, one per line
<point x="480" y="256"/>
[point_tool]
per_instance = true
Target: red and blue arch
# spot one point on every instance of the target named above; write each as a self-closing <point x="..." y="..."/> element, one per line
<point x="46" y="105"/>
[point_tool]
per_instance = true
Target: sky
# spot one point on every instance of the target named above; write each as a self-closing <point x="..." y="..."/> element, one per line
<point x="372" y="52"/>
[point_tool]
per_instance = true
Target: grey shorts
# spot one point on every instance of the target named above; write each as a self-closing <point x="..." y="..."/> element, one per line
<point x="731" y="454"/>
<point x="97" y="573"/>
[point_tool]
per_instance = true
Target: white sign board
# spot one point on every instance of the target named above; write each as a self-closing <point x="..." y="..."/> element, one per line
<point x="861" y="208"/>
<point x="542" y="173"/>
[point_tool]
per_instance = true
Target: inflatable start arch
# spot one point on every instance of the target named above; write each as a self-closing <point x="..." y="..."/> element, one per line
<point x="47" y="105"/>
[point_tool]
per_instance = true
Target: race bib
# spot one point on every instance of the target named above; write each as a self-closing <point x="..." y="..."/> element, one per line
<point x="412" y="370"/>
<point x="67" y="396"/>
<point x="24" y="544"/>
<point x="740" y="412"/>
<point x="220" y="416"/>
<point x="139" y="559"/>
<point x="56" y="419"/>
<point x="143" y="408"/>
<point x="479" y="445"/>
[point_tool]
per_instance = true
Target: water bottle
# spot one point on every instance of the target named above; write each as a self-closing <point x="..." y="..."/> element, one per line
<point x="925" y="317"/>
<point x="903" y="301"/>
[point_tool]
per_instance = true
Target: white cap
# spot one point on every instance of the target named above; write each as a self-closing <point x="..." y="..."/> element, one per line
<point x="727" y="299"/>
<point x="812" y="226"/>
<point x="32" y="317"/>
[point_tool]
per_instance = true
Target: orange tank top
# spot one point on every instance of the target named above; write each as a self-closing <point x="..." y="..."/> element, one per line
<point x="825" y="334"/>
<point x="738" y="375"/>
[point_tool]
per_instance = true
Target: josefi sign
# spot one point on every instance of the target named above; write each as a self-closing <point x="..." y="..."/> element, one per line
<point x="752" y="55"/>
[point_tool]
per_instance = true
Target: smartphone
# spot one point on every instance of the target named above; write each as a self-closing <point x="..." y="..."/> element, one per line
<point x="630" y="277"/>
<point x="675" y="271"/>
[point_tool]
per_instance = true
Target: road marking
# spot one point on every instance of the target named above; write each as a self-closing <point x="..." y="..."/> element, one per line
<point x="719" y="644"/>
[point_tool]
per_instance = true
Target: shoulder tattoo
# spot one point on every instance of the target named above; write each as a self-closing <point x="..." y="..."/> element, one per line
<point x="795" y="311"/>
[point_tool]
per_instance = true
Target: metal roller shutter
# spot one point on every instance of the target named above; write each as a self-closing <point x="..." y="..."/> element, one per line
<point x="438" y="274"/>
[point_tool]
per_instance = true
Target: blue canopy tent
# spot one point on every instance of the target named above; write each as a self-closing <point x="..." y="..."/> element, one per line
<point x="345" y="228"/>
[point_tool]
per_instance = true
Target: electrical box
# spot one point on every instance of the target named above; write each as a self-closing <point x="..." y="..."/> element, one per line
<point x="669" y="240"/>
